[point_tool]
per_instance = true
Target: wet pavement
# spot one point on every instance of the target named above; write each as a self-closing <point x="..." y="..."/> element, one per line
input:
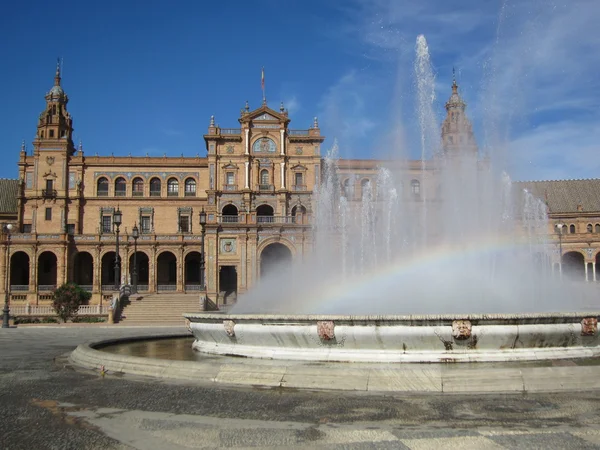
<point x="47" y="404"/>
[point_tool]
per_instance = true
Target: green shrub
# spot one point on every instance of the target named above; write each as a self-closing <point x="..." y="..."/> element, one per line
<point x="67" y="300"/>
<point x="88" y="319"/>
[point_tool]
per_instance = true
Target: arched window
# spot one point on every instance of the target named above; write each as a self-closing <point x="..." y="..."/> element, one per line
<point x="102" y="187"/>
<point x="415" y="187"/>
<point x="264" y="214"/>
<point x="172" y="187"/>
<point x="597" y="228"/>
<point x="346" y="189"/>
<point x="155" y="187"/>
<point x="229" y="214"/>
<point x="590" y="229"/>
<point x="138" y="187"/>
<point x="364" y="186"/>
<point x="572" y="229"/>
<point x="264" y="177"/>
<point x="190" y="187"/>
<point x="120" y="187"/>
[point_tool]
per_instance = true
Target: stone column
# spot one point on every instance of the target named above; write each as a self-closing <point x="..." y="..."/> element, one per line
<point x="180" y="271"/>
<point x="97" y="271"/>
<point x="594" y="271"/>
<point x="152" y="270"/>
<point x="585" y="267"/>
<point x="247" y="130"/>
<point x="247" y="164"/>
<point x="282" y="175"/>
<point x="282" y="141"/>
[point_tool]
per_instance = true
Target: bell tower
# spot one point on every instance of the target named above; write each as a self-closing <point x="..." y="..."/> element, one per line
<point x="457" y="131"/>
<point x="55" y="125"/>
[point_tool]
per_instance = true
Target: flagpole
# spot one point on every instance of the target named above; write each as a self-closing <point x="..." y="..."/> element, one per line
<point x="262" y="84"/>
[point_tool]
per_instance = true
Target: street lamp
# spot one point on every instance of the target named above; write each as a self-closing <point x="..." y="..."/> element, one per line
<point x="559" y="228"/>
<point x="5" y="312"/>
<point x="203" y="225"/>
<point x="135" y="233"/>
<point x="117" y="216"/>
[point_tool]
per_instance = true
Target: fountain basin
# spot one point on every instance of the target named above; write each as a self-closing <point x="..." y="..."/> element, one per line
<point x="413" y="338"/>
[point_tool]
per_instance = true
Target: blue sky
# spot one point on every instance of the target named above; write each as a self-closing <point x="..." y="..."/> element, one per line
<point x="145" y="76"/>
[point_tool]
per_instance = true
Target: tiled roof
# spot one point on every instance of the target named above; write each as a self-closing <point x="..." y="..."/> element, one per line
<point x="8" y="195"/>
<point x="566" y="196"/>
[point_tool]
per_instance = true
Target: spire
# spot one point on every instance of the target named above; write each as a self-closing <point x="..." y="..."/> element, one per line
<point x="212" y="121"/>
<point x="57" y="76"/>
<point x="316" y="123"/>
<point x="457" y="131"/>
<point x="23" y="148"/>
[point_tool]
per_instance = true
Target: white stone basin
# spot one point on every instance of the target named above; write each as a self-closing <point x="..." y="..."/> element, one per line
<point x="444" y="338"/>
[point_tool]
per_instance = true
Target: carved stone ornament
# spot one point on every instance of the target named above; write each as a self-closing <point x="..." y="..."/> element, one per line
<point x="50" y="160"/>
<point x="229" y="327"/>
<point x="188" y="325"/>
<point x="326" y="329"/>
<point x="589" y="326"/>
<point x="461" y="329"/>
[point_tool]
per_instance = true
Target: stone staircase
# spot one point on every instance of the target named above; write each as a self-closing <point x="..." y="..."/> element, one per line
<point x="162" y="308"/>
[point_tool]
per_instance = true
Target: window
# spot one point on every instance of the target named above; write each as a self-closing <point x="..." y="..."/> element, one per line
<point x="184" y="224"/>
<point x="71" y="229"/>
<point x="138" y="187"/>
<point x="590" y="229"/>
<point x="155" y="187"/>
<point x="26" y="228"/>
<point x="102" y="187"/>
<point x="172" y="187"/>
<point x="145" y="224"/>
<point x="264" y="177"/>
<point x="597" y="228"/>
<point x="190" y="187"/>
<point x="120" y="187"/>
<point x="298" y="179"/>
<point x="572" y="229"/>
<point x="415" y="187"/>
<point x="51" y="133"/>
<point x="49" y="185"/>
<point x="229" y="176"/>
<point x="48" y="213"/>
<point x="107" y="224"/>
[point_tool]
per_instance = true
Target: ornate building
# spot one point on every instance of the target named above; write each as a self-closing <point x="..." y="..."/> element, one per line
<point x="255" y="184"/>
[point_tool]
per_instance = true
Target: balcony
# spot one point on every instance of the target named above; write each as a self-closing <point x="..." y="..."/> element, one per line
<point x="229" y="219"/>
<point x="49" y="193"/>
<point x="299" y="187"/>
<point x="120" y="193"/>
<point x="274" y="219"/>
<point x="102" y="193"/>
<point x="230" y="187"/>
<point x="230" y="130"/>
<point x="154" y="193"/>
<point x="138" y="193"/>
<point x="298" y="132"/>
<point x="173" y="194"/>
<point x="190" y="193"/>
<point x="266" y="187"/>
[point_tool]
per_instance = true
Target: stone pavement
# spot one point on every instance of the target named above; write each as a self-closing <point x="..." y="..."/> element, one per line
<point x="46" y="404"/>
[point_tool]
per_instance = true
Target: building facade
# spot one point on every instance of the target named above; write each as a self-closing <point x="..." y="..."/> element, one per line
<point x="256" y="186"/>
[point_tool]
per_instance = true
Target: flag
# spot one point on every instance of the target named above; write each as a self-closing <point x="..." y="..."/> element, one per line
<point x="262" y="79"/>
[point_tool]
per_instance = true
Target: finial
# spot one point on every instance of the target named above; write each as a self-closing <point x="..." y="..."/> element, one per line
<point x="23" y="149"/>
<point x="454" y="85"/>
<point x="80" y="147"/>
<point x="57" y="75"/>
<point x="316" y="123"/>
<point x="281" y="108"/>
<point x="247" y="107"/>
<point x="212" y="121"/>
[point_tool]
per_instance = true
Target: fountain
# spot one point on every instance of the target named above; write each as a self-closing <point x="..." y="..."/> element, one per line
<point x="447" y="265"/>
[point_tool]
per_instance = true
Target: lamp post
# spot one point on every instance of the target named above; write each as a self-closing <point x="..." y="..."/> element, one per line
<point x="117" y="216"/>
<point x="6" y="311"/>
<point x="203" y="226"/>
<point x="559" y="228"/>
<point x="135" y="233"/>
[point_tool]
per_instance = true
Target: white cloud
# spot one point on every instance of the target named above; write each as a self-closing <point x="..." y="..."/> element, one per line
<point x="292" y="105"/>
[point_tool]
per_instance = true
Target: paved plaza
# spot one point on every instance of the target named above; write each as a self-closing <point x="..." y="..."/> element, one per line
<point x="47" y="404"/>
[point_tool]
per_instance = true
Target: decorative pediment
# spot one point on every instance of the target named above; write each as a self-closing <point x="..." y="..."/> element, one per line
<point x="230" y="165"/>
<point x="50" y="174"/>
<point x="298" y="167"/>
<point x="266" y="116"/>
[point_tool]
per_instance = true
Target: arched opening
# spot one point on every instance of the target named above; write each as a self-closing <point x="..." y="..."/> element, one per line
<point x="143" y="273"/>
<point x="228" y="284"/>
<point x="229" y="214"/>
<point x="590" y="228"/>
<point x="192" y="271"/>
<point x="346" y="190"/>
<point x="572" y="229"/>
<point x="83" y="267"/>
<point x="365" y="186"/>
<point x="597" y="228"/>
<point x="120" y="187"/>
<point x="102" y="187"/>
<point x="173" y="187"/>
<point x="573" y="266"/>
<point x="19" y="272"/>
<point x="264" y="179"/>
<point x="155" y="187"/>
<point x="298" y="214"/>
<point x="138" y="187"/>
<point x="107" y="276"/>
<point x="598" y="267"/>
<point x="275" y="255"/>
<point x="166" y="272"/>
<point x="264" y="214"/>
<point x="415" y="187"/>
<point x="190" y="187"/>
<point x="47" y="271"/>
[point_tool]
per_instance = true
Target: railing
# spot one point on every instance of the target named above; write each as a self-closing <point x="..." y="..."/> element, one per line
<point x="265" y="187"/>
<point x="102" y="193"/>
<point x="299" y="187"/>
<point x="46" y="287"/>
<point x="166" y="287"/>
<point x="190" y="194"/>
<point x="49" y="193"/>
<point x="142" y="287"/>
<point x="154" y="193"/>
<point x="231" y="131"/>
<point x="172" y="193"/>
<point x="193" y="287"/>
<point x="46" y="310"/>
<point x="120" y="193"/>
<point x="275" y="219"/>
<point x="109" y="287"/>
<point x="229" y="219"/>
<point x="230" y="187"/>
<point x="298" y="132"/>
<point x="137" y="193"/>
<point x="19" y="287"/>
<point x="86" y="287"/>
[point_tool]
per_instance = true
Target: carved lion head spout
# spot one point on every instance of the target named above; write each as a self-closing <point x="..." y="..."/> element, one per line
<point x="326" y="329"/>
<point x="229" y="326"/>
<point x="589" y="326"/>
<point x="461" y="329"/>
